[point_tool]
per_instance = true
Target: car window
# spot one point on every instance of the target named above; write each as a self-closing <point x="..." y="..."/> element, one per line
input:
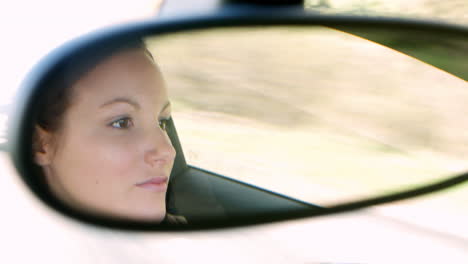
<point x="314" y="113"/>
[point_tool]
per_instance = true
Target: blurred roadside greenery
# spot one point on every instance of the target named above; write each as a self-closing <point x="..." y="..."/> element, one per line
<point x="452" y="11"/>
<point x="444" y="51"/>
<point x="442" y="56"/>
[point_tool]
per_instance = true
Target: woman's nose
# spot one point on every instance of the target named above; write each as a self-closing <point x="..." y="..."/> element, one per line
<point x="159" y="149"/>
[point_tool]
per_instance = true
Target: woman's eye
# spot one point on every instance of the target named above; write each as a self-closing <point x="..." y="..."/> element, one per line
<point x="163" y="124"/>
<point x="123" y="123"/>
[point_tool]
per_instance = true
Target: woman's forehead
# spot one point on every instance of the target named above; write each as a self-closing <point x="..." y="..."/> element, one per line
<point x="132" y="61"/>
<point x="130" y="74"/>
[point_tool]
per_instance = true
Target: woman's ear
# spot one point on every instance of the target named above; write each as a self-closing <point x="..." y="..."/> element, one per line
<point x="42" y="146"/>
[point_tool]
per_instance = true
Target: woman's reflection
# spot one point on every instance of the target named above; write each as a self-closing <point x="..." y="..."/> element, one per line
<point x="102" y="142"/>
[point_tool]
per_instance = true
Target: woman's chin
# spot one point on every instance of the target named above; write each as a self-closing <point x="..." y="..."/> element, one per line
<point x="149" y="214"/>
<point x="153" y="214"/>
<point x="153" y="218"/>
<point x="145" y="210"/>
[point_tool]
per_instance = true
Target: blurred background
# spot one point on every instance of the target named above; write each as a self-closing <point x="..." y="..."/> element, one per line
<point x="454" y="11"/>
<point x="316" y="113"/>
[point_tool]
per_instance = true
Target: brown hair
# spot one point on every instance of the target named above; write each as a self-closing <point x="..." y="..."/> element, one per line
<point x="55" y="94"/>
<point x="54" y="99"/>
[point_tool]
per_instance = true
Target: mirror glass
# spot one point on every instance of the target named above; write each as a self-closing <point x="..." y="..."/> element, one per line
<point x="311" y="113"/>
<point x="314" y="113"/>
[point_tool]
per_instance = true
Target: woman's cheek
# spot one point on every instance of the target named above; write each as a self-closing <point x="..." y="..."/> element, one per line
<point x="119" y="154"/>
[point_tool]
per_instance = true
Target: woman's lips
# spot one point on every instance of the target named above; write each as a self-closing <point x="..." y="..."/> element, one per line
<point x="158" y="184"/>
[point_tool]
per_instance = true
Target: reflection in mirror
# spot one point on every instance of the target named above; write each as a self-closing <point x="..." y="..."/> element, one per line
<point x="101" y="145"/>
<point x="316" y="113"/>
<point x="311" y="113"/>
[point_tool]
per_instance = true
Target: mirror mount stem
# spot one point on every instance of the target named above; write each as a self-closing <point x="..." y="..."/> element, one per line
<point x="270" y="3"/>
<point x="171" y="8"/>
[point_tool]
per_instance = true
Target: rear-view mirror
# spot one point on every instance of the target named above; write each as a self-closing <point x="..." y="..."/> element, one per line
<point x="231" y="120"/>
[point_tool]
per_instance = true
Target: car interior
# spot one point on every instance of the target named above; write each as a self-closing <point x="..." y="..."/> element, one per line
<point x="200" y="195"/>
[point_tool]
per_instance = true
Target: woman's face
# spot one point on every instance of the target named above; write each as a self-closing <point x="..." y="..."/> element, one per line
<point x="111" y="155"/>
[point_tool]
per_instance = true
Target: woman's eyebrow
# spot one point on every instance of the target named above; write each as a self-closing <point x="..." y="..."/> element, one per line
<point x="122" y="100"/>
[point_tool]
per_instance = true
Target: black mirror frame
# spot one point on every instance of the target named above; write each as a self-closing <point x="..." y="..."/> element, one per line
<point x="225" y="17"/>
